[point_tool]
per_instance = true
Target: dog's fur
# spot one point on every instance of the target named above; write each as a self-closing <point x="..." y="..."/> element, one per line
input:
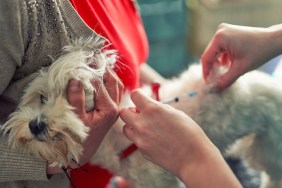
<point x="243" y="120"/>
<point x="246" y="116"/>
<point x="44" y="104"/>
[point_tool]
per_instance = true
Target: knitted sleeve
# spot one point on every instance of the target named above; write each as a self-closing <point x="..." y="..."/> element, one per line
<point x="11" y="37"/>
<point x="14" y="164"/>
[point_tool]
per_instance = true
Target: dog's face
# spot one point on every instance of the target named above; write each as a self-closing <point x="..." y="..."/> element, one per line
<point x="44" y="124"/>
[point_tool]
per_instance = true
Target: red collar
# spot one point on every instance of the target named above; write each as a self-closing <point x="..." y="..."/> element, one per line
<point x="128" y="151"/>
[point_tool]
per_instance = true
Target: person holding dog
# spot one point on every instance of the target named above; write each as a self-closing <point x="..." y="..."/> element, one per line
<point x="38" y="30"/>
<point x="35" y="32"/>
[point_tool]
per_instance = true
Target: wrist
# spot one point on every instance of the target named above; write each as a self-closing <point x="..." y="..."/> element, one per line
<point x="275" y="39"/>
<point x="208" y="169"/>
<point x="193" y="168"/>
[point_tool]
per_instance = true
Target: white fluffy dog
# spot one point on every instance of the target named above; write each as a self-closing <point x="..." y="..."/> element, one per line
<point x="44" y="124"/>
<point x="246" y="116"/>
<point x="244" y="120"/>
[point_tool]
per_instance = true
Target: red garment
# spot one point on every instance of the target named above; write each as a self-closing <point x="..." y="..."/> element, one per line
<point x="118" y="21"/>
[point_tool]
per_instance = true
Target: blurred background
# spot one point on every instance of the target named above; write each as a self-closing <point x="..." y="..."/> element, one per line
<point x="179" y="30"/>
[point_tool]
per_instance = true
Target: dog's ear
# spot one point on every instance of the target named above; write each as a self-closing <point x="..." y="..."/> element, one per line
<point x="4" y="130"/>
<point x="35" y="89"/>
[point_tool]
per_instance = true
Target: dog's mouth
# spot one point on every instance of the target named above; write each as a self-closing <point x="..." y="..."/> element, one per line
<point x="40" y="131"/>
<point x="46" y="137"/>
<point x="42" y="137"/>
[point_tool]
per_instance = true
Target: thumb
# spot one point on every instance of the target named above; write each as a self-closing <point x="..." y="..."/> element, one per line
<point x="75" y="94"/>
<point x="140" y="99"/>
<point x="226" y="79"/>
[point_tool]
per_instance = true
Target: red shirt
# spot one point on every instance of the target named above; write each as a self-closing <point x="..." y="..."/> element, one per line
<point x="118" y="21"/>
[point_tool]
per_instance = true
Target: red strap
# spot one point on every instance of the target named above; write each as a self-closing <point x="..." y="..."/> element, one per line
<point x="128" y="151"/>
<point x="155" y="88"/>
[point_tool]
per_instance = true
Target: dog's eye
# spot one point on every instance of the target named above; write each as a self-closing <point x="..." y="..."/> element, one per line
<point x="42" y="99"/>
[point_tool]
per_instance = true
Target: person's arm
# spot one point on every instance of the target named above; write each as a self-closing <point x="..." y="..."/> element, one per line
<point x="15" y="165"/>
<point x="240" y="49"/>
<point x="171" y="139"/>
<point x="148" y="75"/>
<point x="13" y="23"/>
<point x="209" y="170"/>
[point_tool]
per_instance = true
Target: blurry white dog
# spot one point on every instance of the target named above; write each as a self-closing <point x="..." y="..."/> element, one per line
<point x="248" y="114"/>
<point x="244" y="120"/>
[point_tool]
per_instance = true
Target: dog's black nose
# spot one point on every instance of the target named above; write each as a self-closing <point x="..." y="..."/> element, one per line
<point x="36" y="127"/>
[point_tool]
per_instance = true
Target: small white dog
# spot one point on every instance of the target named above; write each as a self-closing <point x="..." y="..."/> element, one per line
<point x="44" y="124"/>
<point x="246" y="116"/>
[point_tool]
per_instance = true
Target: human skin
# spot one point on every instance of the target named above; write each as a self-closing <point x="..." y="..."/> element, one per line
<point x="171" y="139"/>
<point x="105" y="113"/>
<point x="240" y="49"/>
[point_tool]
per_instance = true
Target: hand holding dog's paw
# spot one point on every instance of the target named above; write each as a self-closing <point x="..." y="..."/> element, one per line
<point x="107" y="97"/>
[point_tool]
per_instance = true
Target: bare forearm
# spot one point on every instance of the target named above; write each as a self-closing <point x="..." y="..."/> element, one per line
<point x="148" y="75"/>
<point x="211" y="171"/>
<point x="275" y="41"/>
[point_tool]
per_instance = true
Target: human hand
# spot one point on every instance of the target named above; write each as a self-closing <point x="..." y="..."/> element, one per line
<point x="172" y="140"/>
<point x="107" y="98"/>
<point x="240" y="49"/>
<point x="164" y="135"/>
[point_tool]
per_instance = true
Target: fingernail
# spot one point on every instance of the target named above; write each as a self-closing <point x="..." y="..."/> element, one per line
<point x="128" y="126"/>
<point x="74" y="85"/>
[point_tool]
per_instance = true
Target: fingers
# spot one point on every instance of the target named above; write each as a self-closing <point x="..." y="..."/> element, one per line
<point x="129" y="116"/>
<point x="212" y="59"/>
<point x="208" y="58"/>
<point x="140" y="99"/>
<point x="114" y="85"/>
<point x="226" y="79"/>
<point x="214" y="54"/>
<point x="101" y="96"/>
<point x="221" y="70"/>
<point x="75" y="94"/>
<point x="133" y="117"/>
<point x="128" y="132"/>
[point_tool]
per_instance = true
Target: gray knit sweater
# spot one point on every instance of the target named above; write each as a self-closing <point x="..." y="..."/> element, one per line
<point x="31" y="31"/>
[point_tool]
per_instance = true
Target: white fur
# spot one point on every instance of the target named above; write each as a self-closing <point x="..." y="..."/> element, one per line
<point x="248" y="114"/>
<point x="243" y="120"/>
<point x="45" y="101"/>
